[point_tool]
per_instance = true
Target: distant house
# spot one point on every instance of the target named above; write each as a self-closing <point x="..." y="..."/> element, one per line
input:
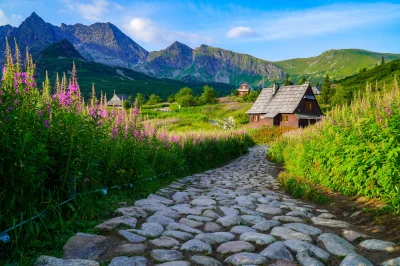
<point x="244" y="88"/>
<point x="291" y="106"/>
<point x="316" y="90"/>
<point x="117" y="100"/>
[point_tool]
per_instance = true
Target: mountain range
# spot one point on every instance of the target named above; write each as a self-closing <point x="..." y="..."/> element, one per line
<point x="104" y="43"/>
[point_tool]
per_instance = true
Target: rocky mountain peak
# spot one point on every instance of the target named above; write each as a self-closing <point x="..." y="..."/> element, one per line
<point x="33" y="19"/>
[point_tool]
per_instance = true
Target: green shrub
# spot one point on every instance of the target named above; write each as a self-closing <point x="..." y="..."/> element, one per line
<point x="354" y="150"/>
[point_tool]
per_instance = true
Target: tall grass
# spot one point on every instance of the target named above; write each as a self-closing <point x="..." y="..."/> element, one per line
<point x="53" y="145"/>
<point x="355" y="150"/>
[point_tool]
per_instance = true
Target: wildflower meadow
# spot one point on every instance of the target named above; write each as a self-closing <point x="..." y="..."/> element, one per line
<point x="355" y="150"/>
<point x="53" y="145"/>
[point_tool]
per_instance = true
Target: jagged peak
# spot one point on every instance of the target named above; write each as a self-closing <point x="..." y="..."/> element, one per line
<point x="34" y="17"/>
<point x="177" y="44"/>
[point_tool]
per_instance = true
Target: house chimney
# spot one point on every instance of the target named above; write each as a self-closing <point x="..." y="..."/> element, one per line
<point x="275" y="88"/>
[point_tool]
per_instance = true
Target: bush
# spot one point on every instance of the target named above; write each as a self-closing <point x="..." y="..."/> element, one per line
<point x="54" y="146"/>
<point x="354" y="150"/>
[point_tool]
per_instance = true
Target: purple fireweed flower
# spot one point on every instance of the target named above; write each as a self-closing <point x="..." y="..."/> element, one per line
<point x="46" y="123"/>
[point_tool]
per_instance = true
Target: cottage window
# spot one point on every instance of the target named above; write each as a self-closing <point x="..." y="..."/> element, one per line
<point x="284" y="118"/>
<point x="308" y="106"/>
<point x="255" y="118"/>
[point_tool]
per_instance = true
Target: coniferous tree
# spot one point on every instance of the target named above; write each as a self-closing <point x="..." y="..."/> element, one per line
<point x="287" y="80"/>
<point x="302" y="81"/>
<point x="326" y="92"/>
<point x="382" y="60"/>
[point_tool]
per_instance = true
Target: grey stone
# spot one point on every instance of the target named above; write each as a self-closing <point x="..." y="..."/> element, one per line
<point x="298" y="214"/>
<point x="160" y="219"/>
<point x="305" y="259"/>
<point x="239" y="229"/>
<point x="181" y="207"/>
<point x="183" y="227"/>
<point x="252" y="219"/>
<point x="165" y="242"/>
<point x="304" y="228"/>
<point x="196" y="245"/>
<point x="178" y="234"/>
<point x="52" y="261"/>
<point x="132" y="211"/>
<point x="212" y="227"/>
<point x="267" y="209"/>
<point x="200" y="218"/>
<point x="215" y="238"/>
<point x="168" y="213"/>
<point x="327" y="216"/>
<point x="205" y="261"/>
<point x="211" y="214"/>
<point x="166" y="255"/>
<point x="228" y="211"/>
<point x="257" y="238"/>
<point x="298" y="245"/>
<point x="191" y="223"/>
<point x="160" y="199"/>
<point x="235" y="247"/>
<point x="203" y="202"/>
<point x="175" y="263"/>
<point x="85" y="246"/>
<point x="246" y="258"/>
<point x="149" y="230"/>
<point x="353" y="259"/>
<point x="277" y="251"/>
<point x="287" y="234"/>
<point x="288" y="219"/>
<point x="229" y="221"/>
<point x="266" y="226"/>
<point x="126" y="261"/>
<point x="335" y="244"/>
<point x="351" y="235"/>
<point x="392" y="262"/>
<point x="378" y="245"/>
<point x="329" y="223"/>
<point x="181" y="197"/>
<point x="115" y="222"/>
<point x="131" y="237"/>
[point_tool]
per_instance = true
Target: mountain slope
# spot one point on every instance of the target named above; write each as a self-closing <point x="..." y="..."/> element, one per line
<point x="208" y="63"/>
<point x="58" y="57"/>
<point x="381" y="78"/>
<point x="337" y="63"/>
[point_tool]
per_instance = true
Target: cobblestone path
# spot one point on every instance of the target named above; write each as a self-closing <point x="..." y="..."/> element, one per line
<point x="233" y="215"/>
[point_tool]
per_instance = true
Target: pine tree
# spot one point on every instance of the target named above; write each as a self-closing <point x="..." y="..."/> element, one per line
<point x="382" y="60"/>
<point x="287" y="80"/>
<point x="326" y="92"/>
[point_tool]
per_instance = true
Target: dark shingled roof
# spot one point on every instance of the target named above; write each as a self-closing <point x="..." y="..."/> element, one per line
<point x="285" y="101"/>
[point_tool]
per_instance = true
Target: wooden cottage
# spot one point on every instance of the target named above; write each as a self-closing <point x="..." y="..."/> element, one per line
<point x="244" y="88"/>
<point x="291" y="106"/>
<point x="117" y="100"/>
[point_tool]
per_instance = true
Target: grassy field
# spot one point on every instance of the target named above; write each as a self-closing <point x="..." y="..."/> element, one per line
<point x="199" y="118"/>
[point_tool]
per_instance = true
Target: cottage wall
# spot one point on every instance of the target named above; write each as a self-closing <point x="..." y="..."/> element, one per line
<point x="293" y="121"/>
<point x="302" y="107"/>
<point x="261" y="121"/>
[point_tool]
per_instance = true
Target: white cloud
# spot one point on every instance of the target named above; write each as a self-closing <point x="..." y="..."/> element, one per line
<point x="317" y="21"/>
<point x="93" y="10"/>
<point x="13" y="20"/>
<point x="241" y="32"/>
<point x="146" y="30"/>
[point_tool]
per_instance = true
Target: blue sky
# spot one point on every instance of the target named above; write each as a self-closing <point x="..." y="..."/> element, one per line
<point x="271" y="30"/>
